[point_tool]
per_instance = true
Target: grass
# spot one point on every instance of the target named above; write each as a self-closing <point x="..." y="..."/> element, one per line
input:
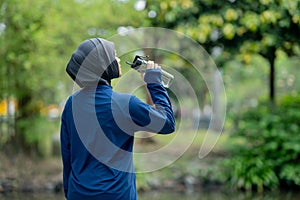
<point x="189" y="139"/>
<point x="183" y="148"/>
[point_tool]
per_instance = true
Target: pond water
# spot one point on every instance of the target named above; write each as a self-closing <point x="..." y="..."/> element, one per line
<point x="207" y="195"/>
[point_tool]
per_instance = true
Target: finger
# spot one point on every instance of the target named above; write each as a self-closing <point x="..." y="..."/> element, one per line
<point x="157" y="66"/>
<point x="150" y="64"/>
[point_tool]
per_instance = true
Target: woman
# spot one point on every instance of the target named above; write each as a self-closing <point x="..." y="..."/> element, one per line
<point x="98" y="124"/>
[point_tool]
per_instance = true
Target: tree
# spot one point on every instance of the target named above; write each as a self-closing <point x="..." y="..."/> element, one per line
<point x="37" y="39"/>
<point x="18" y="50"/>
<point x="235" y="29"/>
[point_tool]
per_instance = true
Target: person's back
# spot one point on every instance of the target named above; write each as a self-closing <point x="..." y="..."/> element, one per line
<point x="98" y="126"/>
<point x="90" y="178"/>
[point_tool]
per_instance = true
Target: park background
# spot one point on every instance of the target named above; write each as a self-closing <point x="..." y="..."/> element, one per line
<point x="254" y="43"/>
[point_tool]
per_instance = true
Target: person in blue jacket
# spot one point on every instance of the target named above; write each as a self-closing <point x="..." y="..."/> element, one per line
<point x="98" y="124"/>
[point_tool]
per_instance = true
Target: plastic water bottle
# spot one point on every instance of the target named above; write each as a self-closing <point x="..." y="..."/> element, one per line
<point x="140" y="65"/>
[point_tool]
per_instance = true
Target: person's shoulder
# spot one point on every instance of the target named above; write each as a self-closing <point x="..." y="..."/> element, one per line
<point x="72" y="96"/>
<point x="121" y="96"/>
<point x="68" y="102"/>
<point x="125" y="97"/>
<point x="69" y="99"/>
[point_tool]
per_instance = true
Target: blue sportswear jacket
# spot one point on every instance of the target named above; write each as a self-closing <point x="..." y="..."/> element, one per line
<point x="97" y="137"/>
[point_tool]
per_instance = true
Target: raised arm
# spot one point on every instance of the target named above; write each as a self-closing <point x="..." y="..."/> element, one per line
<point x="160" y="118"/>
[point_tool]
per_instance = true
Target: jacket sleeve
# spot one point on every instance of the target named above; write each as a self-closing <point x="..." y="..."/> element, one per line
<point x="65" y="150"/>
<point x="158" y="118"/>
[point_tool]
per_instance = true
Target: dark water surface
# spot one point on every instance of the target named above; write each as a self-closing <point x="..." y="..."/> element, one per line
<point x="208" y="195"/>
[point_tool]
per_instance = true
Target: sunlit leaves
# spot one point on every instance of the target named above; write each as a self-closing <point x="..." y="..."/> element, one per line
<point x="203" y="32"/>
<point x="263" y="21"/>
<point x="296" y="19"/>
<point x="269" y="16"/>
<point x="241" y="31"/>
<point x="251" y="21"/>
<point x="269" y="40"/>
<point x="213" y="19"/>
<point x="231" y="15"/>
<point x="229" y="31"/>
<point x="292" y="6"/>
<point x="266" y="2"/>
<point x="250" y="46"/>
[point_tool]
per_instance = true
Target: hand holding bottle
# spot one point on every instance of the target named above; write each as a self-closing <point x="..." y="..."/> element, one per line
<point x="141" y="66"/>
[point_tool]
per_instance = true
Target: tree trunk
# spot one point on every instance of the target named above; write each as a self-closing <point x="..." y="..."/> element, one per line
<point x="271" y="56"/>
<point x="272" y="80"/>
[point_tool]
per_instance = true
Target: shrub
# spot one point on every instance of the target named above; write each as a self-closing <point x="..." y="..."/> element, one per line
<point x="37" y="135"/>
<point x="269" y="155"/>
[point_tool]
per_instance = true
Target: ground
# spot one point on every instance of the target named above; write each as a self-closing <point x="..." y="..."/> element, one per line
<point x="23" y="173"/>
<point x="20" y="172"/>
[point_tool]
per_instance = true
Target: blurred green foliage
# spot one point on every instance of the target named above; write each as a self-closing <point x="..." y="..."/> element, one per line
<point x="239" y="26"/>
<point x="38" y="138"/>
<point x="235" y="30"/>
<point x="240" y="32"/>
<point x="37" y="39"/>
<point x="269" y="154"/>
